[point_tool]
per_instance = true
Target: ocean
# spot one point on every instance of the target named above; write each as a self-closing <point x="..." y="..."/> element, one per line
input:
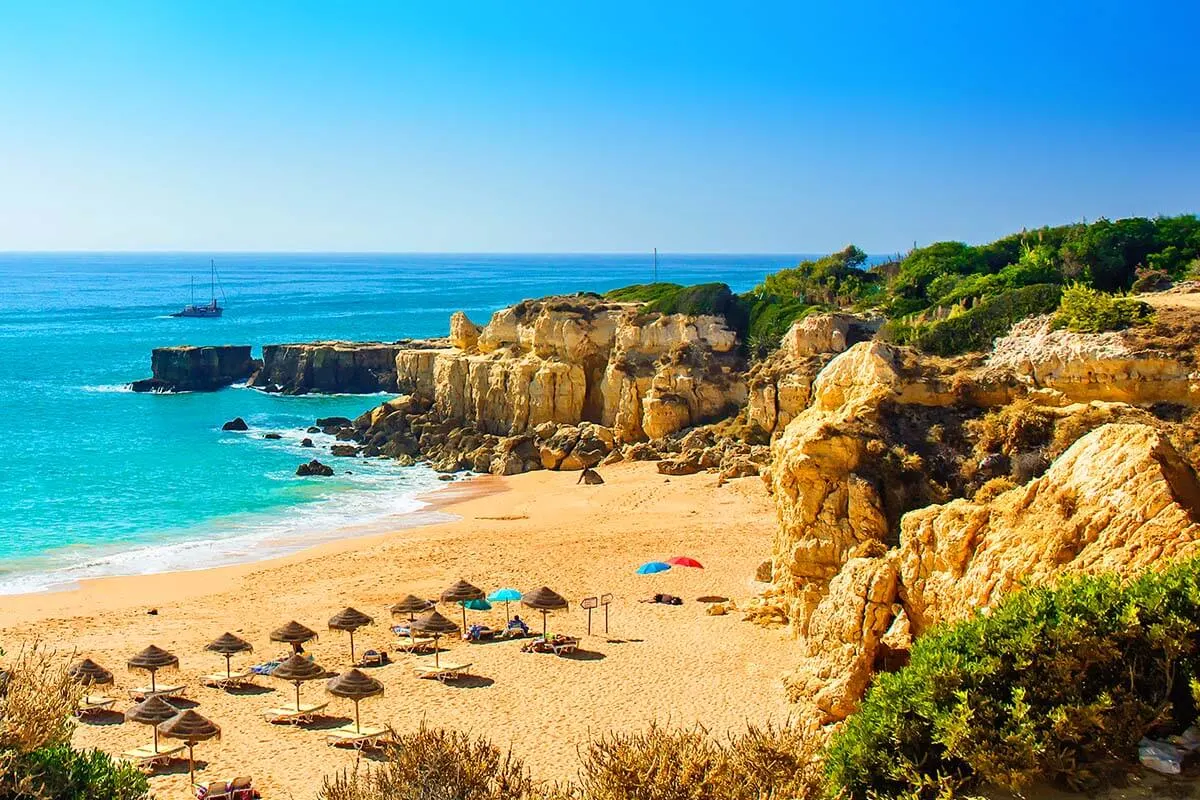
<point x="96" y="480"/>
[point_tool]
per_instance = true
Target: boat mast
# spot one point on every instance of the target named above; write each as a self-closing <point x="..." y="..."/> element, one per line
<point x="213" y="279"/>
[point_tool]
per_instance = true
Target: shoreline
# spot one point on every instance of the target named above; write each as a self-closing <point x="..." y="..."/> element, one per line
<point x="673" y="665"/>
<point x="92" y="593"/>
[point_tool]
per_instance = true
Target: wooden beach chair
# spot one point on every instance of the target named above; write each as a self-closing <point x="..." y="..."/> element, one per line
<point x="419" y="645"/>
<point x="369" y="737"/>
<point x="93" y="703"/>
<point x="236" y="680"/>
<point x="145" y="692"/>
<point x="564" y="646"/>
<point x="147" y="758"/>
<point x="442" y="672"/>
<point x="295" y="716"/>
<point x="236" y="789"/>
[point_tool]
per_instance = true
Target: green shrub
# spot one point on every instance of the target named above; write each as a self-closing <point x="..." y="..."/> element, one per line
<point x="1054" y="684"/>
<point x="671" y="298"/>
<point x="60" y="771"/>
<point x="1087" y="310"/>
<point x="976" y="328"/>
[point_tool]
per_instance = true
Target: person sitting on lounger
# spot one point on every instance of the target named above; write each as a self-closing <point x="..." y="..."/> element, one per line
<point x="516" y="628"/>
<point x="477" y="633"/>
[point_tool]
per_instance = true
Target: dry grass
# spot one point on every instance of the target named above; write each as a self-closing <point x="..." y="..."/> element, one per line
<point x="37" y="700"/>
<point x="763" y="763"/>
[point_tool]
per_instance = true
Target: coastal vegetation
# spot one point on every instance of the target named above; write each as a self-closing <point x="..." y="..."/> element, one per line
<point x="37" y="762"/>
<point x="1055" y="683"/>
<point x="950" y="297"/>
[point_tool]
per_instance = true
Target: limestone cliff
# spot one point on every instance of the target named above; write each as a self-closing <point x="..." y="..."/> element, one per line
<point x="332" y="367"/>
<point x="196" y="369"/>
<point x="867" y="554"/>
<point x="570" y="379"/>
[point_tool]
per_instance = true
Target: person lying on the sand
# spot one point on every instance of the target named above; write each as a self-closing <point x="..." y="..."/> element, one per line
<point x="665" y="599"/>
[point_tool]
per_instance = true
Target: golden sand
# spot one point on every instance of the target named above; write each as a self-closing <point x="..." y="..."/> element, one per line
<point x="668" y="664"/>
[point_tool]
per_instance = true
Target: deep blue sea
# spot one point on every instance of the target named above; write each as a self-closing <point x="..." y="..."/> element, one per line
<point x="96" y="480"/>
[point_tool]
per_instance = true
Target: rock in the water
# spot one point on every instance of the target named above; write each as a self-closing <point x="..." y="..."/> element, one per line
<point x="314" y="467"/>
<point x="313" y="429"/>
<point x="590" y="477"/>
<point x="306" y="442"/>
<point x="445" y="476"/>
<point x="333" y="422"/>
<point x="343" y="367"/>
<point x="197" y="369"/>
<point x="272" y="436"/>
<point x="343" y="450"/>
<point x="235" y="424"/>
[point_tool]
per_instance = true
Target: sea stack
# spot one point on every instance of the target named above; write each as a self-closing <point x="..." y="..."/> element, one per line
<point x="197" y="369"/>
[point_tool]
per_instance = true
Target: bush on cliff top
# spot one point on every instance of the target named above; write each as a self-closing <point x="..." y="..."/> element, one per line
<point x="1087" y="310"/>
<point x="1054" y="684"/>
<point x="976" y="328"/>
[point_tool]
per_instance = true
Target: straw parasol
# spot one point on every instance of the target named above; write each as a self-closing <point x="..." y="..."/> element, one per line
<point x="349" y="620"/>
<point x="411" y="605"/>
<point x="357" y="686"/>
<point x="298" y="669"/>
<point x="544" y="600"/>
<point x="151" y="711"/>
<point x="461" y="592"/>
<point x="294" y="634"/>
<point x="229" y="645"/>
<point x="189" y="727"/>
<point x="88" y="672"/>
<point x="152" y="659"/>
<point x="433" y="623"/>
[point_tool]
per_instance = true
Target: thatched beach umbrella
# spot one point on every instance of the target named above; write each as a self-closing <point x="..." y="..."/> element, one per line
<point x="460" y="593"/>
<point x="544" y="600"/>
<point x="349" y="620"/>
<point x="436" y="625"/>
<point x="411" y="605"/>
<point x="189" y="727"/>
<point x="298" y="669"/>
<point x="88" y="672"/>
<point x="294" y="634"/>
<point x="152" y="659"/>
<point x="151" y="711"/>
<point x="357" y="686"/>
<point x="229" y="645"/>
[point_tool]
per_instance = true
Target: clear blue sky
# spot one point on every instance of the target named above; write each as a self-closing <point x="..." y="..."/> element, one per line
<point x="562" y="126"/>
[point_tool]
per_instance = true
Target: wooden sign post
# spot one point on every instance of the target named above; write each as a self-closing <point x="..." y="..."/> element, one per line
<point x="605" y="600"/>
<point x="589" y="603"/>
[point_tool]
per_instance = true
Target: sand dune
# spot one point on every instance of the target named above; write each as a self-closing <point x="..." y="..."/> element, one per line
<point x="670" y="664"/>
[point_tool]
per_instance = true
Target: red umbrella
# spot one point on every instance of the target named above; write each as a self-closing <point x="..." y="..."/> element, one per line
<point x="684" y="561"/>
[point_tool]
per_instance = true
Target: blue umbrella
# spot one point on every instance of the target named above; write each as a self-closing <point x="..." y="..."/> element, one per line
<point x="505" y="596"/>
<point x="651" y="567"/>
<point x="478" y="605"/>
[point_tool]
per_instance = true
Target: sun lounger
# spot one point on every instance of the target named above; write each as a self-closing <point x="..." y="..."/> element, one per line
<point x="479" y="633"/>
<point x="371" y="736"/>
<point x="559" y="645"/>
<point x="93" y="703"/>
<point x="144" y="692"/>
<point x="294" y="716"/>
<point x="236" y="789"/>
<point x="219" y="680"/>
<point x="417" y="645"/>
<point x="443" y="672"/>
<point x="374" y="658"/>
<point x="146" y="757"/>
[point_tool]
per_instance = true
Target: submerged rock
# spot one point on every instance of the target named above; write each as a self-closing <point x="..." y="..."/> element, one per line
<point x="272" y="436"/>
<point x="235" y="424"/>
<point x="343" y="450"/>
<point x="314" y="468"/>
<point x="306" y="442"/>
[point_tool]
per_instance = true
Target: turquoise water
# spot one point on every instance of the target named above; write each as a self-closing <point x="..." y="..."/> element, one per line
<point x="96" y="480"/>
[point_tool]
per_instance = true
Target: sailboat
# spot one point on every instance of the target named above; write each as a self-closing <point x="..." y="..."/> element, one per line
<point x="210" y="310"/>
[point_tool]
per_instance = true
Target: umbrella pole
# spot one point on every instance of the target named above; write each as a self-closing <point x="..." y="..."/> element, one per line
<point x="436" y="650"/>
<point x="191" y="764"/>
<point x="152" y="685"/>
<point x="357" y="724"/>
<point x="228" y="670"/>
<point x="507" y="616"/>
<point x="351" y="646"/>
<point x="297" y="697"/>
<point x="545" y="632"/>
<point x="156" y="738"/>
<point x="464" y="610"/>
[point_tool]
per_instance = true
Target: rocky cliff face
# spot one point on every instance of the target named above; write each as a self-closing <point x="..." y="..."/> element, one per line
<point x="333" y="367"/>
<point x="871" y="549"/>
<point x="557" y="383"/>
<point x="197" y="369"/>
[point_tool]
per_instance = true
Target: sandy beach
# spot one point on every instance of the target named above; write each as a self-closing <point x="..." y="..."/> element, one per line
<point x="659" y="663"/>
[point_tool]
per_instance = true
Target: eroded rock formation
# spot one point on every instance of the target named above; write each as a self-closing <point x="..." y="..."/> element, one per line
<point x="333" y="367"/>
<point x="197" y="369"/>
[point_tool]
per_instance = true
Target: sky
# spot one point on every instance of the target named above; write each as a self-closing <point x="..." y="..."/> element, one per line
<point x="516" y="126"/>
